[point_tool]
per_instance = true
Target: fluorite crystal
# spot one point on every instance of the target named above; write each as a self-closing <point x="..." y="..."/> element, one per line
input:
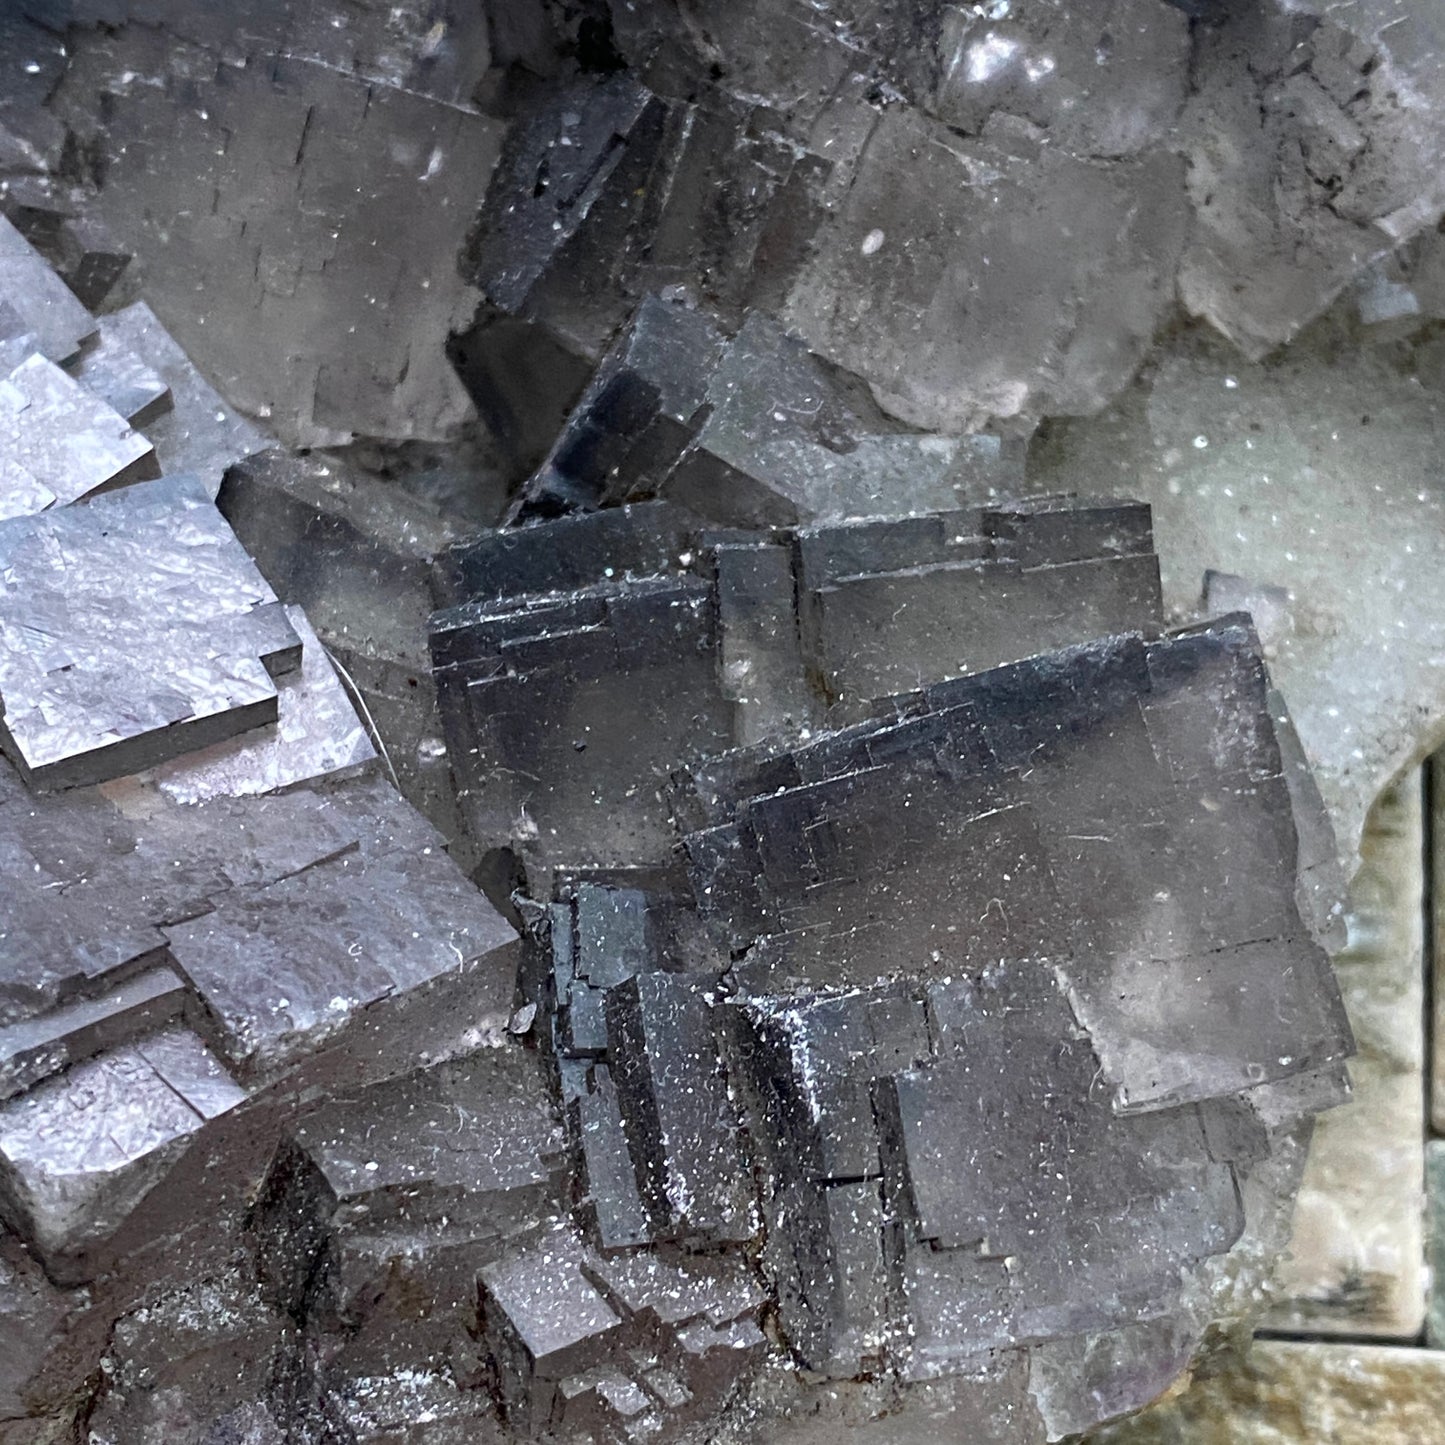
<point x="863" y="971"/>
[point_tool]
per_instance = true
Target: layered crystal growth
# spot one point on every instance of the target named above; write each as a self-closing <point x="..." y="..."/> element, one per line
<point x="618" y="871"/>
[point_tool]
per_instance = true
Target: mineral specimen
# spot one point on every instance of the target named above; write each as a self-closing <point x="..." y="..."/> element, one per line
<point x="355" y="553"/>
<point x="965" y="320"/>
<point x="1307" y="159"/>
<point x="317" y="734"/>
<point x="750" y="430"/>
<point x="45" y="303"/>
<point x="1263" y="471"/>
<point x="198" y="433"/>
<point x="315" y="106"/>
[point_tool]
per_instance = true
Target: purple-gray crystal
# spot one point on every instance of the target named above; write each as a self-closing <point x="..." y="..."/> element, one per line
<point x="626" y="877"/>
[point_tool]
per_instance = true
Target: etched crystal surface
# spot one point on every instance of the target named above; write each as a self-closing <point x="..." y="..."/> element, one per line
<point x="629" y="875"/>
<point x="135" y="628"/>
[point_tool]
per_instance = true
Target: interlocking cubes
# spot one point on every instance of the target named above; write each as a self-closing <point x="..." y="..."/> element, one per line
<point x="697" y="1315"/>
<point x="195" y="431"/>
<point x="679" y="1121"/>
<point x="587" y="656"/>
<point x="1096" y="1213"/>
<point x="354" y="551"/>
<point x="1085" y="807"/>
<point x="585" y="666"/>
<point x="787" y="440"/>
<point x="134" y="629"/>
<point x="317" y="734"/>
<point x="50" y="309"/>
<point x="60" y="442"/>
<point x="807" y="1063"/>
<point x="382" y="1199"/>
<point x="587" y="1343"/>
<point x="110" y="370"/>
<point x="565" y="173"/>
<point x="546" y="1321"/>
<point x="1005" y="1064"/>
<point x="635" y="1047"/>
<point x="341" y="950"/>
<point x="749" y="430"/>
<point x="79" y="1153"/>
<point x="885" y="606"/>
<point x="606" y="192"/>
<point x="330" y="317"/>
<point x="640" y="410"/>
<point x="1272" y="246"/>
<point x="256" y="948"/>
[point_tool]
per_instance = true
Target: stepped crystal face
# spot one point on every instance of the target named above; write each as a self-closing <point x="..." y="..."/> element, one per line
<point x="588" y="857"/>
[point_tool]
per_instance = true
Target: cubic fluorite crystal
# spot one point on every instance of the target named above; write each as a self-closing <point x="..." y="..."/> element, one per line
<point x="863" y="971"/>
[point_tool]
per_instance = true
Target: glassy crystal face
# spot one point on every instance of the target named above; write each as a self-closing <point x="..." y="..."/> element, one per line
<point x="590" y="856"/>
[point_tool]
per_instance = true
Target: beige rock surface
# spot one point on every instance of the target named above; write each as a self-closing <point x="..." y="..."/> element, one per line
<point x="1355" y="1262"/>
<point x="1437" y="967"/>
<point x="1302" y="1394"/>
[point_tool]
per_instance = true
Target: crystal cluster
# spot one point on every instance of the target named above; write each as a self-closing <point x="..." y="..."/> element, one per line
<point x="881" y="177"/>
<point x="846" y="964"/>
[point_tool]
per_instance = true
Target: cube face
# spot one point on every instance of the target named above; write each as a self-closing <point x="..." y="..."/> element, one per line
<point x="195" y="961"/>
<point x="78" y="1154"/>
<point x="318" y="734"/>
<point x="124" y="381"/>
<point x="1010" y="785"/>
<point x="198" y="433"/>
<point x="747" y="431"/>
<point x="582" y="660"/>
<point x="680" y="1124"/>
<point x="972" y="997"/>
<point x="135" y="629"/>
<point x="962" y="307"/>
<point x="51" y="312"/>
<point x="573" y="1332"/>
<point x="1025" y="1096"/>
<point x="994" y="1034"/>
<point x="554" y="1312"/>
<point x="62" y="441"/>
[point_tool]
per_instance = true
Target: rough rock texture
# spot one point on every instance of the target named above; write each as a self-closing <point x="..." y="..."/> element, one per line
<point x="1300" y="1394"/>
<point x="1355" y="1259"/>
<point x="1305" y="136"/>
